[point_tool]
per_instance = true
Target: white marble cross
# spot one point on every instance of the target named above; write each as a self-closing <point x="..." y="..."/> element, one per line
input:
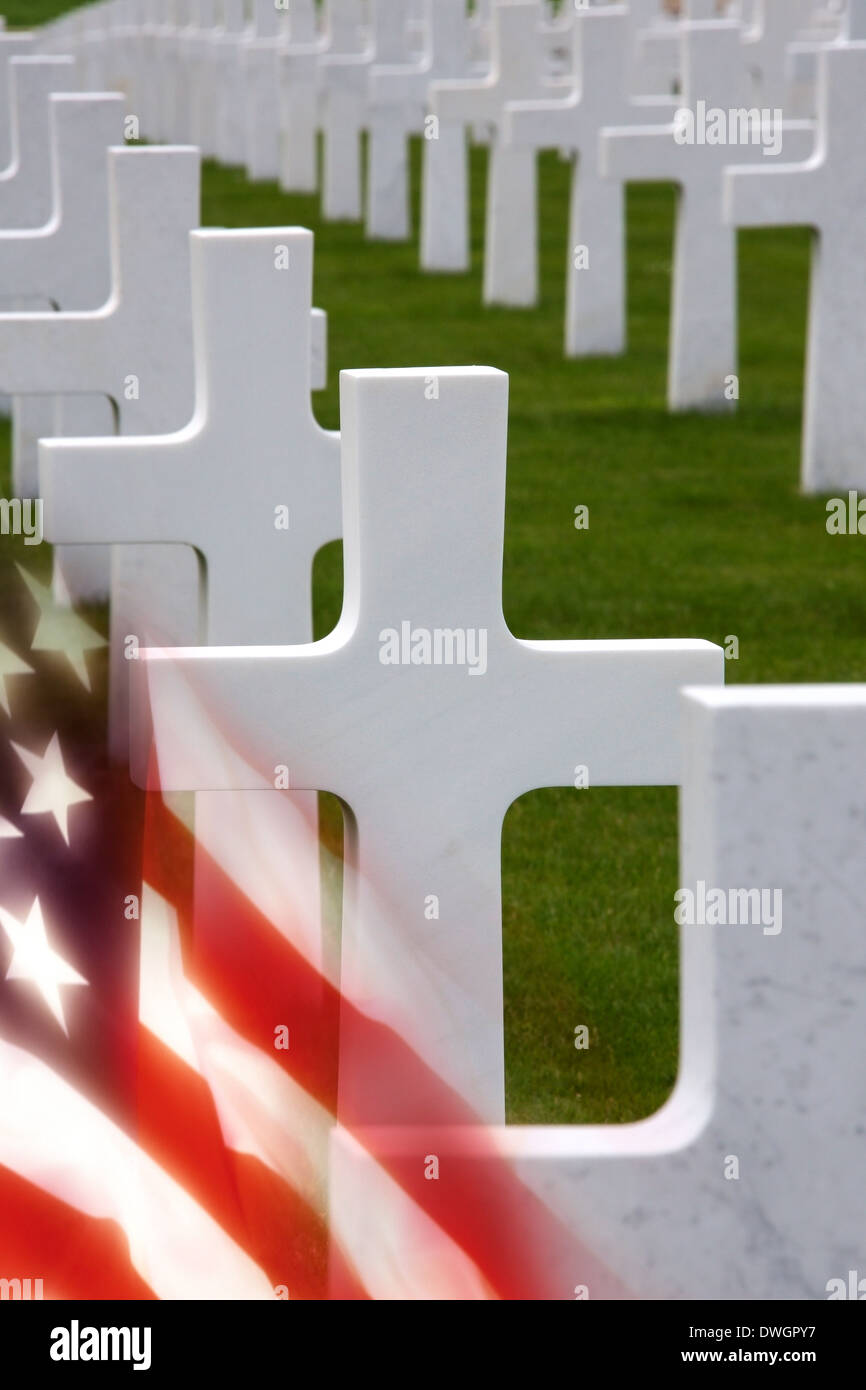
<point x="702" y="370"/>
<point x="343" y="72"/>
<point x="387" y="211"/>
<point x="252" y="481"/>
<point x="398" y="108"/>
<point x="66" y="264"/>
<point x="228" y="80"/>
<point x="826" y="26"/>
<point x="119" y="68"/>
<point x="827" y="193"/>
<point x="149" y="70"/>
<point x="11" y="46"/>
<point x="200" y="75"/>
<point x="747" y="1183"/>
<point x="516" y="73"/>
<point x="426" y="715"/>
<point x="659" y="44"/>
<point x="27" y="183"/>
<point x="774" y="25"/>
<point x="136" y="349"/>
<point x="258" y="56"/>
<point x="298" y="82"/>
<point x="167" y="110"/>
<point x="654" y="65"/>
<point x="595" y="316"/>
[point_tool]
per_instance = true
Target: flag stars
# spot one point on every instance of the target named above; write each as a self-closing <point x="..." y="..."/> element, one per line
<point x="53" y="790"/>
<point x="10" y="665"/>
<point x="61" y="630"/>
<point x="35" y="961"/>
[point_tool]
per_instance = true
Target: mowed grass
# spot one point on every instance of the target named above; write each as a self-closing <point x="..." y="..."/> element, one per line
<point x="26" y="14"/>
<point x="697" y="529"/>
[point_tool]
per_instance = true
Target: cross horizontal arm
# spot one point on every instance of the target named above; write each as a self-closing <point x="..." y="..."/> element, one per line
<point x="543" y="125"/>
<point x="457" y="99"/>
<point x="784" y="195"/>
<point x="640" y="153"/>
<point x="611" y="706"/>
<point x="275" y="706"/>
<point x="119" y="490"/>
<point x="57" y="353"/>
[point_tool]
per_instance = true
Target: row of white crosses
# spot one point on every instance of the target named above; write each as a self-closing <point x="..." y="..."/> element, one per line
<point x="597" y="96"/>
<point x="51" y="163"/>
<point x="611" y="132"/>
<point x="703" y="354"/>
<point x="122" y="332"/>
<point x="254" y="85"/>
<point x="65" y="264"/>
<point x="828" y="194"/>
<point x="251" y="302"/>
<point x="714" y="198"/>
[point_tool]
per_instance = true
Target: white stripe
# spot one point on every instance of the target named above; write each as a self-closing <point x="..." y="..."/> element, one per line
<point x="395" y="1248"/>
<point x="262" y="1111"/>
<point x="56" y="1138"/>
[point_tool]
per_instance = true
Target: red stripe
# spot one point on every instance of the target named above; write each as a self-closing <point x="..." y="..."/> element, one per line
<point x="179" y="1127"/>
<point x="257" y="980"/>
<point x="76" y="1256"/>
<point x="251" y="975"/>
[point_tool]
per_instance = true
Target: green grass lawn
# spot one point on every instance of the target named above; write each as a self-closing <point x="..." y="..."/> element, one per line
<point x="24" y="14"/>
<point x="697" y="529"/>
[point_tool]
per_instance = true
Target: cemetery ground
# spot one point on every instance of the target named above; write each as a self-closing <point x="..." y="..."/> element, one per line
<point x="696" y="529"/>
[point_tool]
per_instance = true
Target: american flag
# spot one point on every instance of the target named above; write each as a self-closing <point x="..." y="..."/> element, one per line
<point x="156" y="1140"/>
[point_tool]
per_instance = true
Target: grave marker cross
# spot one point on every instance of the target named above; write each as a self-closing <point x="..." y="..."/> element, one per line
<point x="11" y="46"/>
<point x="137" y="349"/>
<point x="827" y="193"/>
<point x="516" y="73"/>
<point x="66" y="264"/>
<point x="298" y="94"/>
<point x="595" y="289"/>
<point x="703" y="337"/>
<point x="26" y="184"/>
<point x="426" y="715"/>
<point x="251" y="448"/>
<point x="398" y="108"/>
